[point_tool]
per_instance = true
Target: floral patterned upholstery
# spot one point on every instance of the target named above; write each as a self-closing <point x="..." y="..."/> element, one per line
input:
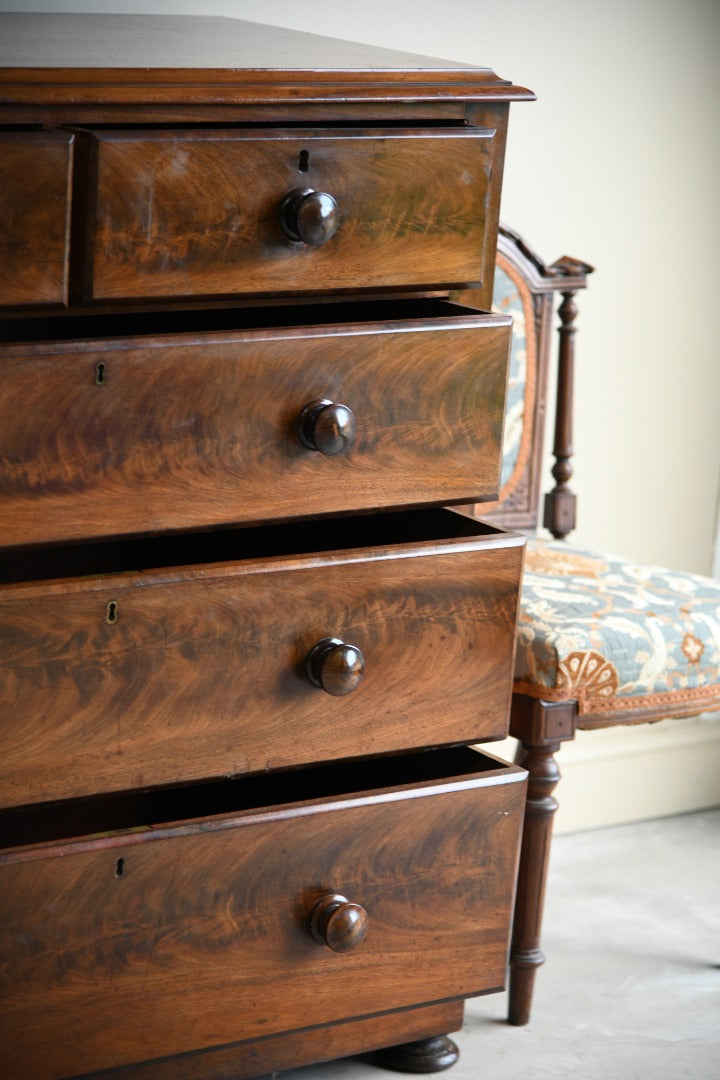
<point x="614" y="635"/>
<point x="507" y="301"/>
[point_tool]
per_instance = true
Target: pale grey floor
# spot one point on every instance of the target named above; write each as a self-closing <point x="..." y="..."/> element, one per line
<point x="631" y="987"/>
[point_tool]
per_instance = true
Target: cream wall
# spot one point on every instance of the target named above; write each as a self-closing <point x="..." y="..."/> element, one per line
<point x="616" y="163"/>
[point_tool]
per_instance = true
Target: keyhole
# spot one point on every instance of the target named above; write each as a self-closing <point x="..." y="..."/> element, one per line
<point x="111" y="613"/>
<point x="119" y="868"/>
<point x="100" y="375"/>
<point x="303" y="161"/>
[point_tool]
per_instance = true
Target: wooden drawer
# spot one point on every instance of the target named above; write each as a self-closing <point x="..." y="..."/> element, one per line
<point x="198" y="213"/>
<point x="166" y="935"/>
<point x="157" y="676"/>
<point x="35" y="179"/>
<point x="153" y="431"/>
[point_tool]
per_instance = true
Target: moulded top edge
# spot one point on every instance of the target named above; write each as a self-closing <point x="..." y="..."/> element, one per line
<point x="218" y="59"/>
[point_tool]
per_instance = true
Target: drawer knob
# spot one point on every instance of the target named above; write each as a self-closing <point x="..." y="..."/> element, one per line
<point x="337" y="923"/>
<point x="335" y="666"/>
<point x="327" y="426"/>
<point x="311" y="217"/>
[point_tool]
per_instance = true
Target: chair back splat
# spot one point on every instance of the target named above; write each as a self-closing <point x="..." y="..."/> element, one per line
<point x="527" y="288"/>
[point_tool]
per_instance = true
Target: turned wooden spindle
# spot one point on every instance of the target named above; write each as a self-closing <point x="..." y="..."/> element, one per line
<point x="559" y="515"/>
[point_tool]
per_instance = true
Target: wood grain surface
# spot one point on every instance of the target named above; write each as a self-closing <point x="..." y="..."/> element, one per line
<point x="192" y="213"/>
<point x="200" y="673"/>
<point x="261" y="1057"/>
<point x="129" y="436"/>
<point x="189" y="944"/>
<point x="117" y="59"/>
<point x="35" y="182"/>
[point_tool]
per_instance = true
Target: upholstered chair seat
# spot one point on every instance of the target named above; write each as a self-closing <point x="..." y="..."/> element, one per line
<point x="615" y="636"/>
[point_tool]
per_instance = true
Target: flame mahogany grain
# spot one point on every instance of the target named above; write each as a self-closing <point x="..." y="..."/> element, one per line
<point x="202" y="673"/>
<point x="177" y="795"/>
<point x="144" y="943"/>
<point x="200" y="430"/>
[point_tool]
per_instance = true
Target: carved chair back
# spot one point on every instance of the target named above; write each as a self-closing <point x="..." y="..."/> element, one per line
<point x="526" y="288"/>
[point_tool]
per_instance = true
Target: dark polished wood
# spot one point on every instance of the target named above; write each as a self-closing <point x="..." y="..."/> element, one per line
<point x="338" y="923"/>
<point x="525" y="953"/>
<point x="537" y="284"/>
<point x="201" y="670"/>
<point x="307" y="216"/>
<point x="262" y="1057"/>
<point x="541" y="727"/>
<point x="424" y="1056"/>
<point x="131" y="58"/>
<point x="327" y="426"/>
<point x="228" y="252"/>
<point x="335" y="666"/>
<point x="559" y="516"/>
<point x="212" y="897"/>
<point x="145" y="432"/>
<point x="410" y="211"/>
<point x="35" y="192"/>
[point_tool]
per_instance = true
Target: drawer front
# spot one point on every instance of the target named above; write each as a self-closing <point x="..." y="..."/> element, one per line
<point x="159" y="942"/>
<point x="35" y="176"/>
<point x="165" y="676"/>
<point x="136" y="436"/>
<point x="190" y="213"/>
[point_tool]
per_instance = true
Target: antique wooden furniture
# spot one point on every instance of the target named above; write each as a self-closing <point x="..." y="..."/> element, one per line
<point x="244" y="649"/>
<point x="601" y="641"/>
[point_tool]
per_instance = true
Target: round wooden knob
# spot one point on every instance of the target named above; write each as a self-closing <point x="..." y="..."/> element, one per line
<point x="312" y="217"/>
<point x="335" y="666"/>
<point x="327" y="426"/>
<point x="337" y="923"/>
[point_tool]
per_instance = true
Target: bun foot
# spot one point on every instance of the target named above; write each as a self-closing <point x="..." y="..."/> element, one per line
<point x="425" y="1056"/>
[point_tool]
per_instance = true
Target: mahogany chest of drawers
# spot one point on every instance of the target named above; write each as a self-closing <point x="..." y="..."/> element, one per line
<point x="245" y="647"/>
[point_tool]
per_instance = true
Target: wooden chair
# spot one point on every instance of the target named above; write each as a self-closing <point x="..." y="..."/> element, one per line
<point x="600" y="641"/>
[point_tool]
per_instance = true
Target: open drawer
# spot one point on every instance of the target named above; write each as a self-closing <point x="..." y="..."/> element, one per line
<point x="211" y="655"/>
<point x="173" y="422"/>
<point x="225" y="912"/>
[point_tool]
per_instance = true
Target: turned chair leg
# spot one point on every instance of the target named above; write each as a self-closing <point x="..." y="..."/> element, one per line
<point x="541" y="727"/>
<point x="525" y="953"/>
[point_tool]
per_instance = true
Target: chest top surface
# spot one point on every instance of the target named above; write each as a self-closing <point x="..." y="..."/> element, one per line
<point x="217" y="59"/>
